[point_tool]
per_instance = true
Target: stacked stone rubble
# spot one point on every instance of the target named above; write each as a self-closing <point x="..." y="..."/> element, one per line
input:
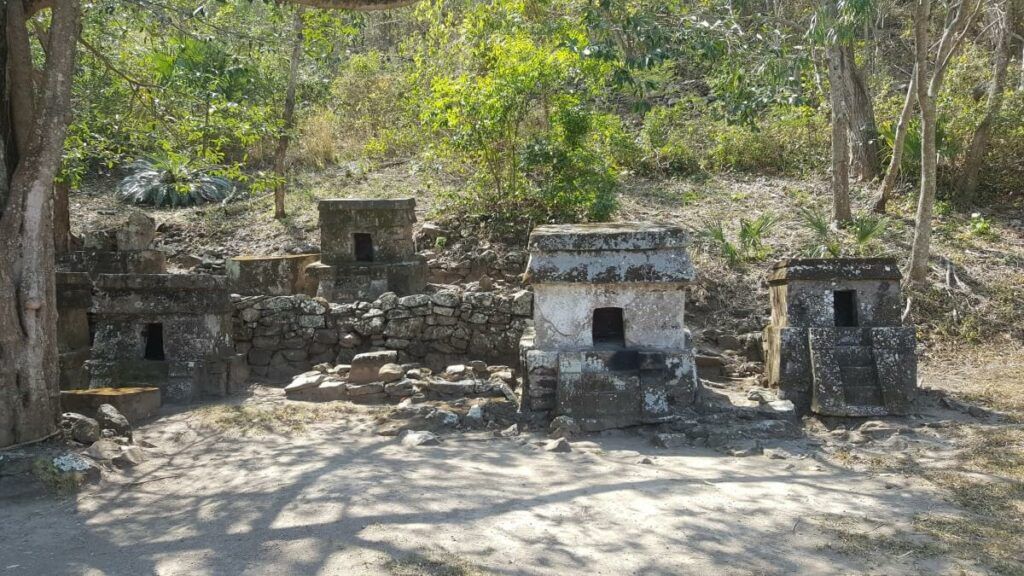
<point x="286" y="335"/>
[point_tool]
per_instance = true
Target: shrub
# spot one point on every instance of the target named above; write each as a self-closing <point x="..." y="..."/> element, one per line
<point x="171" y="182"/>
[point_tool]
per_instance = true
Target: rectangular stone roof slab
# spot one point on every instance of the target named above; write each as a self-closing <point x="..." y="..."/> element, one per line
<point x="607" y="236"/>
<point x="339" y="204"/>
<point x="826" y="269"/>
<point x="621" y="252"/>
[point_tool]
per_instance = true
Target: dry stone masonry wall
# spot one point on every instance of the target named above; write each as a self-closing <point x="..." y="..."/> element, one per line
<point x="285" y="335"/>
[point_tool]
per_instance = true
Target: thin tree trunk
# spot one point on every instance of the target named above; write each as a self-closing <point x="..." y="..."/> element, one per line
<point x="983" y="133"/>
<point x="288" y="117"/>
<point x="899" y="138"/>
<point x="927" y="91"/>
<point x="29" y="390"/>
<point x="861" y="116"/>
<point x="840" y="152"/>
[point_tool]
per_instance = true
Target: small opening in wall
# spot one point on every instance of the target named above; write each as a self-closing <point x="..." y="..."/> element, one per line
<point x="608" y="327"/>
<point x="844" y="304"/>
<point x="363" y="246"/>
<point x="154" y="336"/>
<point x="90" y="320"/>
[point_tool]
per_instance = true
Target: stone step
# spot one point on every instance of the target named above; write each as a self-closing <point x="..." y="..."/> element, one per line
<point x="863" y="395"/>
<point x="858" y="376"/>
<point x="853" y="337"/>
<point x="854" y="356"/>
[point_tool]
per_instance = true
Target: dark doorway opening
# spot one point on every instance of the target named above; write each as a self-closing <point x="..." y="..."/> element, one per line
<point x="363" y="246"/>
<point x="154" y="336"/>
<point x="90" y="319"/>
<point x="608" y="327"/>
<point x="844" y="304"/>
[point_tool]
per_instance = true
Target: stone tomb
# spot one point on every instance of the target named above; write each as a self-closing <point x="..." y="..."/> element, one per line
<point x="74" y="336"/>
<point x="836" y="344"/>
<point x="609" y="347"/>
<point x="172" y="331"/>
<point x="367" y="249"/>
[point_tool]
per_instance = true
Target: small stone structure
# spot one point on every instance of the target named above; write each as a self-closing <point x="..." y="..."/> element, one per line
<point x="124" y="250"/>
<point x="609" y="347"/>
<point x="367" y="249"/>
<point x="135" y="403"/>
<point x="271" y="275"/>
<point x="74" y="337"/>
<point x="836" y="344"/>
<point x="167" y="330"/>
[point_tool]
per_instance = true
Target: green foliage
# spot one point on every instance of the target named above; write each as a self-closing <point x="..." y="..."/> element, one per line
<point x="688" y="138"/>
<point x="749" y="245"/>
<point x="170" y="181"/>
<point x="517" y="119"/>
<point x="861" y="237"/>
<point x="980" y="226"/>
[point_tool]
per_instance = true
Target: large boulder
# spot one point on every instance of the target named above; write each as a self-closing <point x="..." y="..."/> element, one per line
<point x="81" y="428"/>
<point x="110" y="419"/>
<point x="366" y="366"/>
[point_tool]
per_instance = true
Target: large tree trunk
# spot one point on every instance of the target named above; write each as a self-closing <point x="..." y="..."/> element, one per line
<point x="281" y="154"/>
<point x="29" y="393"/>
<point x="899" y="138"/>
<point x="840" y="152"/>
<point x="861" y="117"/>
<point x="983" y="133"/>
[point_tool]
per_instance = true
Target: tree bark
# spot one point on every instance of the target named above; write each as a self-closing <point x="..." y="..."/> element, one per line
<point x="288" y="117"/>
<point x="898" y="140"/>
<point x="996" y="88"/>
<point x="840" y="152"/>
<point x="61" y="219"/>
<point x="927" y="90"/>
<point x="29" y="393"/>
<point x="861" y="117"/>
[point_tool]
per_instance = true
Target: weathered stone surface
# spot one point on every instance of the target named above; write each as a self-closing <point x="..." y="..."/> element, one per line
<point x="110" y="419"/>
<point x="103" y="450"/>
<point x="415" y="438"/>
<point x="130" y="456"/>
<point x="366" y="367"/>
<point x="82" y="428"/>
<point x="558" y="445"/>
<point x="310" y="379"/>
<point x="390" y="373"/>
<point x="355" y="390"/>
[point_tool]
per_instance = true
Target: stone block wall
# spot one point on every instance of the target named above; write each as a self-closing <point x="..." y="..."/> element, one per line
<point x="282" y="336"/>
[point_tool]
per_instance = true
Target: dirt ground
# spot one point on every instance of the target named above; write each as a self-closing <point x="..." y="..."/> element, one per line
<point x="262" y="485"/>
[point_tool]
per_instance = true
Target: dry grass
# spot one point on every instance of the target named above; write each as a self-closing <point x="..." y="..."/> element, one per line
<point x="271" y="418"/>
<point x="988" y="484"/>
<point x="860" y="538"/>
<point x="433" y="564"/>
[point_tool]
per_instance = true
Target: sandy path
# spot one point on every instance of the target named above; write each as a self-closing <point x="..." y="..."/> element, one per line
<point x="339" y="500"/>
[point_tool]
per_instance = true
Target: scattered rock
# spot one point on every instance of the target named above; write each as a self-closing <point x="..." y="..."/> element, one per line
<point x="776" y="453"/>
<point x="475" y="413"/>
<point x="110" y="419"/>
<point x="310" y="379"/>
<point x="420" y="438"/>
<point x="877" y="430"/>
<point x="390" y="373"/>
<point x="563" y="427"/>
<point x="103" y="450"/>
<point x="509" y="432"/>
<point x="456" y="372"/>
<point x="82" y="428"/>
<point x="558" y="445"/>
<point x="645" y="460"/>
<point x="130" y="456"/>
<point x="80" y="469"/>
<point x="366" y="366"/>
